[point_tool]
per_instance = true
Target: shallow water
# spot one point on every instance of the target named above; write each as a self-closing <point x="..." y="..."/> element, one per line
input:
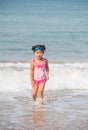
<point x="62" y="110"/>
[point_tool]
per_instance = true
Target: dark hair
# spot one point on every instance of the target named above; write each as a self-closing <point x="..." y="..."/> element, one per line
<point x="40" y="47"/>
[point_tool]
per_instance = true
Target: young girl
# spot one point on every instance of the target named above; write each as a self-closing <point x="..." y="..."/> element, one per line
<point x="39" y="72"/>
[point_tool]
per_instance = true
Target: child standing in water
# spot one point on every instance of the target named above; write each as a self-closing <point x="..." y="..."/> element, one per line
<point x="39" y="72"/>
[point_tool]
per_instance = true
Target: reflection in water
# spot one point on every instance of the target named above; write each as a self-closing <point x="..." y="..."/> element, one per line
<point x="38" y="117"/>
<point x="20" y="113"/>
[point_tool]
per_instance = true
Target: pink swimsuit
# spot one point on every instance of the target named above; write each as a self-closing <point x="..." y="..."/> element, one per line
<point x="39" y="72"/>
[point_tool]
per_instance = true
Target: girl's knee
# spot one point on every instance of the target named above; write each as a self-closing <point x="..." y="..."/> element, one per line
<point x="34" y="91"/>
<point x="40" y="94"/>
<point x="34" y="94"/>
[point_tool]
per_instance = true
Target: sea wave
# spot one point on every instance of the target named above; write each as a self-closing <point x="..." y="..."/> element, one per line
<point x="14" y="76"/>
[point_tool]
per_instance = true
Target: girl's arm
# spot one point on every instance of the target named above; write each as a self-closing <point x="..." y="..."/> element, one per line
<point x="32" y="74"/>
<point x="47" y="70"/>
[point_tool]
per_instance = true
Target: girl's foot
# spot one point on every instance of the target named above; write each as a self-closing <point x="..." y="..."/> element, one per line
<point x="40" y="101"/>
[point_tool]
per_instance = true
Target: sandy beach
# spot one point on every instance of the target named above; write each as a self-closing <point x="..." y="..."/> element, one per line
<point x="62" y="110"/>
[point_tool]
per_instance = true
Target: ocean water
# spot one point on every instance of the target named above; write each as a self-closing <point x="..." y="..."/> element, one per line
<point x="62" y="26"/>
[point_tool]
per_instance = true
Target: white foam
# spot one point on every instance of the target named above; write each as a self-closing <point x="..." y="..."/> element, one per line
<point x="15" y="76"/>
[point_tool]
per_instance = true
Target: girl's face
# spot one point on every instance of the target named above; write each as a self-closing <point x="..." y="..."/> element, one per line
<point x="38" y="54"/>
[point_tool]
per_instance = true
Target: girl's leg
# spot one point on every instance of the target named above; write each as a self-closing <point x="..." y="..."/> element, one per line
<point x="40" y="92"/>
<point x="34" y="92"/>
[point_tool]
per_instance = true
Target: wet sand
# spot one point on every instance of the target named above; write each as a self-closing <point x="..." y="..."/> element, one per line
<point x="62" y="110"/>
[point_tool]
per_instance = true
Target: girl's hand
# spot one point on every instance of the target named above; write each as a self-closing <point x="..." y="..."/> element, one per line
<point x="32" y="83"/>
<point x="47" y="77"/>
